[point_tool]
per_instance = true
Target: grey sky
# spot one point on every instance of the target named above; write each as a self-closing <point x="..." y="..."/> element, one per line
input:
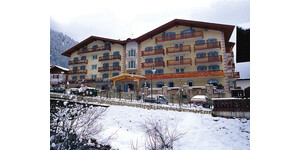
<point x="130" y="18"/>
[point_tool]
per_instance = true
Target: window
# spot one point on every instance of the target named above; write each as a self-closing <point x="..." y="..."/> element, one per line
<point x="179" y="57"/>
<point x="94" y="67"/>
<point x="168" y="35"/>
<point x="201" y="55"/>
<point x="116" y="53"/>
<point x="116" y="64"/>
<point x="115" y="74"/>
<point x="187" y="32"/>
<point x="84" y="48"/>
<point x="82" y="67"/>
<point x="106" y="55"/>
<point x="212" y="42"/>
<point x="94" y="47"/>
<point x="75" y="59"/>
<point x="107" y="44"/>
<point x="133" y="73"/>
<point x="118" y="87"/>
<point x="148" y="60"/>
<point x="214" y="53"/>
<point x="94" y="56"/>
<point x="131" y="52"/>
<point x="94" y="76"/>
<point x="213" y="67"/>
<point x="171" y="84"/>
<point x="83" y="58"/>
<point x="158" y="47"/>
<point x="131" y="64"/>
<point x="190" y="83"/>
<point x="148" y="72"/>
<point x="160" y="84"/>
<point x="200" y="42"/>
<point x="178" y="45"/>
<point x="159" y="59"/>
<point x="75" y="68"/>
<point x="179" y="70"/>
<point x="74" y="77"/>
<point x="149" y="48"/>
<point x="105" y="75"/>
<point x="82" y="77"/>
<point x="215" y="82"/>
<point x="201" y="68"/>
<point x="159" y="71"/>
<point x="105" y="65"/>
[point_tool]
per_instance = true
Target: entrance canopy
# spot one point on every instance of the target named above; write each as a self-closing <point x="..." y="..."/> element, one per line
<point x="127" y="77"/>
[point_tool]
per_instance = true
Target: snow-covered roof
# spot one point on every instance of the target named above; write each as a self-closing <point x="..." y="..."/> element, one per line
<point x="62" y="68"/>
<point x="199" y="98"/>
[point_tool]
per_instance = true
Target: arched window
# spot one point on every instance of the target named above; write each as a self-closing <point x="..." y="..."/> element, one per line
<point x="94" y="47"/>
<point x="105" y="75"/>
<point x="159" y="71"/>
<point x="149" y="48"/>
<point x="82" y="67"/>
<point x="75" y="68"/>
<point x="201" y="68"/>
<point x="83" y="58"/>
<point x="190" y="83"/>
<point x="116" y="64"/>
<point x="201" y="55"/>
<point x="171" y="84"/>
<point x="105" y="65"/>
<point x="160" y="84"/>
<point x="148" y="60"/>
<point x="159" y="59"/>
<point x="148" y="72"/>
<point x="215" y="82"/>
<point x="75" y="59"/>
<point x="187" y="32"/>
<point x="214" y="53"/>
<point x="158" y="47"/>
<point x="200" y="42"/>
<point x="116" y="53"/>
<point x="213" y="67"/>
<point x="211" y="40"/>
<point x="106" y="55"/>
<point x="115" y="74"/>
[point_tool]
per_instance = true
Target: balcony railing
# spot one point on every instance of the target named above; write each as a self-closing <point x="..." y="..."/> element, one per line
<point x="72" y="62"/>
<point x="208" y="59"/>
<point x="179" y="36"/>
<point x="153" y="64"/>
<point x="153" y="52"/>
<point x="109" y="68"/>
<point x="77" y="71"/>
<point x="186" y="75"/>
<point x="233" y="74"/>
<point x="178" y="49"/>
<point x="204" y="46"/>
<point x="90" y="50"/>
<point x="185" y="61"/>
<point x="110" y="57"/>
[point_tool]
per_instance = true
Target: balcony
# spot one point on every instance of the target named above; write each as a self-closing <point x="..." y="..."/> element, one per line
<point x="153" y="52"/>
<point x="110" y="57"/>
<point x="185" y="61"/>
<point x="208" y="59"/>
<point x="77" y="71"/>
<point x="109" y="68"/>
<point x="179" y="49"/>
<point x="90" y="50"/>
<point x="206" y="46"/>
<point x="185" y="75"/>
<point x="196" y="34"/>
<point x="233" y="75"/>
<point x="153" y="64"/>
<point x="73" y="62"/>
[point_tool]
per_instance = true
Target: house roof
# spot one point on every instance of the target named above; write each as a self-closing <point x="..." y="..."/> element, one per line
<point x="228" y="29"/>
<point x="59" y="67"/>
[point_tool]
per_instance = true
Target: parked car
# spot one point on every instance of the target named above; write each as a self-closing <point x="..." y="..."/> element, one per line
<point x="200" y="100"/>
<point x="159" y="99"/>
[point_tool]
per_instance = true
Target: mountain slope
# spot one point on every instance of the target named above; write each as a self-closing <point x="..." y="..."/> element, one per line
<point x="59" y="43"/>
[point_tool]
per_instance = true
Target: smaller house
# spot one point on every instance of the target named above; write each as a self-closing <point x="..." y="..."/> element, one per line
<point x="241" y="88"/>
<point x="58" y="75"/>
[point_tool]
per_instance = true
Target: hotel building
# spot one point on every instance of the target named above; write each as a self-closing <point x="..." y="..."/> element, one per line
<point x="182" y="52"/>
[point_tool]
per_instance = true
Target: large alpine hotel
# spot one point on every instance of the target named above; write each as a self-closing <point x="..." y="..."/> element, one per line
<point x="180" y="52"/>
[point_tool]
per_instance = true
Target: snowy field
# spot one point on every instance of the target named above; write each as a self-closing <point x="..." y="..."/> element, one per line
<point x="202" y="130"/>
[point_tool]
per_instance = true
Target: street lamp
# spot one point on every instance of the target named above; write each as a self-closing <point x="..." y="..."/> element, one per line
<point x="152" y="72"/>
<point x="62" y="77"/>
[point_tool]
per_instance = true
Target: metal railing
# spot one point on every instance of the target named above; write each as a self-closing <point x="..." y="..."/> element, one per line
<point x="179" y="36"/>
<point x="89" y="50"/>
<point x="110" y="57"/>
<point x="207" y="46"/>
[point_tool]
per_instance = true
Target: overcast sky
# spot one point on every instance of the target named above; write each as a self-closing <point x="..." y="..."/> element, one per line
<point x="131" y="18"/>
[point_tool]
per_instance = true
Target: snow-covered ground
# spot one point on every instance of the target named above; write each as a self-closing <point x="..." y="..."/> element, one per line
<point x="202" y="130"/>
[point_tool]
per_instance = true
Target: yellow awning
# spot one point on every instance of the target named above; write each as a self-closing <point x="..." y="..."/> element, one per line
<point x="127" y="77"/>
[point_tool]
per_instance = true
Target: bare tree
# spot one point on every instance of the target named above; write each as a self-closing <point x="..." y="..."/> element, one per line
<point x="159" y="136"/>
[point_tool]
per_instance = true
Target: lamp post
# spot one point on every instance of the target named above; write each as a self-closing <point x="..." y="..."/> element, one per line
<point x="62" y="77"/>
<point x="152" y="72"/>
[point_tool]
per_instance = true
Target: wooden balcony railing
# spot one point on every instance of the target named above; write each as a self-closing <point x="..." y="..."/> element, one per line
<point x="110" y="57"/>
<point x="179" y="36"/>
<point x="184" y="48"/>
<point x="109" y="68"/>
<point x="101" y="48"/>
<point x="72" y="62"/>
<point x="77" y="71"/>
<point x="153" y="52"/>
<point x="153" y="64"/>
<point x="185" y="75"/>
<point x="207" y="46"/>
<point x="185" y="61"/>
<point x="233" y="74"/>
<point x="208" y="59"/>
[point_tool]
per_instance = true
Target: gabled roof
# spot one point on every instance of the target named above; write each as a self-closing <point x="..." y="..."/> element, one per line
<point x="228" y="29"/>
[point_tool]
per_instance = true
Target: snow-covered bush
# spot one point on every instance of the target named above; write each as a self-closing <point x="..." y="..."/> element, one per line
<point x="159" y="136"/>
<point x="73" y="127"/>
